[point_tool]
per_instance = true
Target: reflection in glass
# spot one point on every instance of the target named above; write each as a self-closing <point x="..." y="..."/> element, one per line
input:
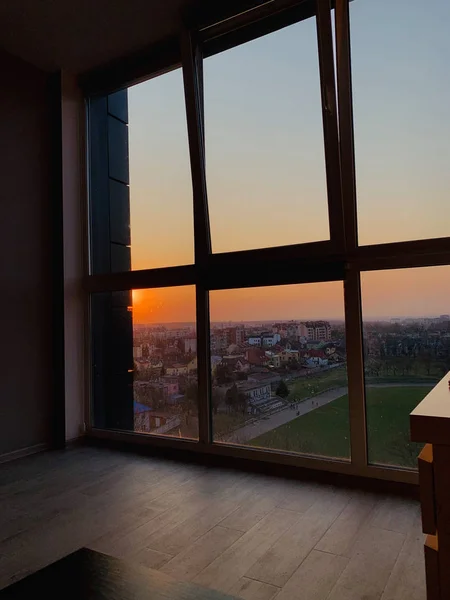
<point x="145" y="361"/>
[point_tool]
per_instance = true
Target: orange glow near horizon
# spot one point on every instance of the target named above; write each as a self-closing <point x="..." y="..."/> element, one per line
<point x="418" y="292"/>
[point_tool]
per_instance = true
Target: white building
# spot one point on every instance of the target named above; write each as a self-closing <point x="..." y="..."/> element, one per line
<point x="266" y="339"/>
<point x="190" y="345"/>
<point x="318" y="331"/>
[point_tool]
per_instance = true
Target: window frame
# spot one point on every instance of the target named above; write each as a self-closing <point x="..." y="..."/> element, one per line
<point x="340" y="258"/>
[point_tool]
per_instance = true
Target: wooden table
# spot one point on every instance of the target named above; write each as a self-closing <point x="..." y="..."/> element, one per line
<point x="430" y="423"/>
<point x="90" y="575"/>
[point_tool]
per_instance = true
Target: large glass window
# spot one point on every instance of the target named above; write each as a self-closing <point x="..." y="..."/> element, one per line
<point x="145" y="361"/>
<point x="278" y="352"/>
<point x="279" y="368"/>
<point x="402" y="136"/>
<point x="265" y="163"/>
<point x="407" y="351"/>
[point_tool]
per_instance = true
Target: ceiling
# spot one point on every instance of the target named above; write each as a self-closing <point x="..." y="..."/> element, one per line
<point x="79" y="35"/>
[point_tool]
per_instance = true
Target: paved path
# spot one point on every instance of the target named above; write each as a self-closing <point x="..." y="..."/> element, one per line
<point x="249" y="432"/>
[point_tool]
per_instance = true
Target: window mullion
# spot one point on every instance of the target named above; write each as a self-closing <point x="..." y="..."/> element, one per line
<point x="345" y="115"/>
<point x="355" y="368"/>
<point x="330" y="124"/>
<point x="193" y="88"/>
<point x="355" y="353"/>
<point x="193" y="91"/>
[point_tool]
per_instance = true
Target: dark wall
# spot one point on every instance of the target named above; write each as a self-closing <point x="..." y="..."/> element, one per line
<point x="25" y="257"/>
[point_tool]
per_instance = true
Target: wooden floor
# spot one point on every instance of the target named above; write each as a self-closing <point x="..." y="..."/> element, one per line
<point x="251" y="536"/>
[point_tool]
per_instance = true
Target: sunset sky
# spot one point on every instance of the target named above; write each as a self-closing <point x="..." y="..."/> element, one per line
<point x="265" y="162"/>
<point x="402" y="292"/>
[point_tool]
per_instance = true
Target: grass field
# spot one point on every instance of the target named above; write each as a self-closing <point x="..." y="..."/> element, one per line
<point x="305" y="387"/>
<point x="325" y="431"/>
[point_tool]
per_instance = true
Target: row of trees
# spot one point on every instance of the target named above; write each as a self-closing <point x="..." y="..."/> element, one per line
<point x="405" y="366"/>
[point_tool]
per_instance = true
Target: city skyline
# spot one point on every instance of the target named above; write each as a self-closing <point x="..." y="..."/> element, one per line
<point x="385" y="295"/>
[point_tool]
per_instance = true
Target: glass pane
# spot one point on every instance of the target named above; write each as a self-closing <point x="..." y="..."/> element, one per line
<point x="407" y="351"/>
<point x="145" y="361"/>
<point x="162" y="232"/>
<point x="278" y="364"/>
<point x="401" y="92"/>
<point x="265" y="160"/>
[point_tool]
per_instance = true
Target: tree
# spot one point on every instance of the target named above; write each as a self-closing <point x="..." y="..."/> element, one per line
<point x="223" y="374"/>
<point x="232" y="397"/>
<point x="241" y="376"/>
<point x="282" y="389"/>
<point x="216" y="400"/>
<point x="242" y="402"/>
<point x="190" y="400"/>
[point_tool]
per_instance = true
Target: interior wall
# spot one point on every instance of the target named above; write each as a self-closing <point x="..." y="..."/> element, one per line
<point x="25" y="257"/>
<point x="74" y="217"/>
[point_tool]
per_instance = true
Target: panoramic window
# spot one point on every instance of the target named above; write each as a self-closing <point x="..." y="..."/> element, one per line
<point x="145" y="361"/>
<point x="402" y="137"/>
<point x="265" y="164"/>
<point x="279" y="368"/>
<point x="280" y="378"/>
<point x="407" y="351"/>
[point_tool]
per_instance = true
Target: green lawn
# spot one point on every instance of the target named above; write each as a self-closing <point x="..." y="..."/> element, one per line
<point x="305" y="387"/>
<point x="325" y="431"/>
<point x="224" y="423"/>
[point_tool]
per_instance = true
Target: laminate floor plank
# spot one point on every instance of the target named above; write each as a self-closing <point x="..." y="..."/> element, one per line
<point x="341" y="536"/>
<point x="373" y="558"/>
<point x="280" y="561"/>
<point x="187" y="532"/>
<point x="196" y="557"/>
<point x="255" y="508"/>
<point x="234" y="563"/>
<point x="249" y="589"/>
<point x="151" y="558"/>
<point x="315" y="577"/>
<point x="396" y="514"/>
<point x="407" y="579"/>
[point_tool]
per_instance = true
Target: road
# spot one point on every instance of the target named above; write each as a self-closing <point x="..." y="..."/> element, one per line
<point x="249" y="432"/>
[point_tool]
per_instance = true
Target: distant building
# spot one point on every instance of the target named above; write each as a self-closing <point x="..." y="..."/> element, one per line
<point x="274" y="359"/>
<point x="236" y="363"/>
<point x="179" y="333"/>
<point x="255" y="391"/>
<point x="266" y="340"/>
<point x="137" y="352"/>
<point x="218" y="340"/>
<point x="256" y="356"/>
<point x="192" y="365"/>
<point x="190" y="345"/>
<point x="215" y="360"/>
<point x="287" y="356"/>
<point x="147" y="420"/>
<point x="318" y="331"/>
<point x="177" y="369"/>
